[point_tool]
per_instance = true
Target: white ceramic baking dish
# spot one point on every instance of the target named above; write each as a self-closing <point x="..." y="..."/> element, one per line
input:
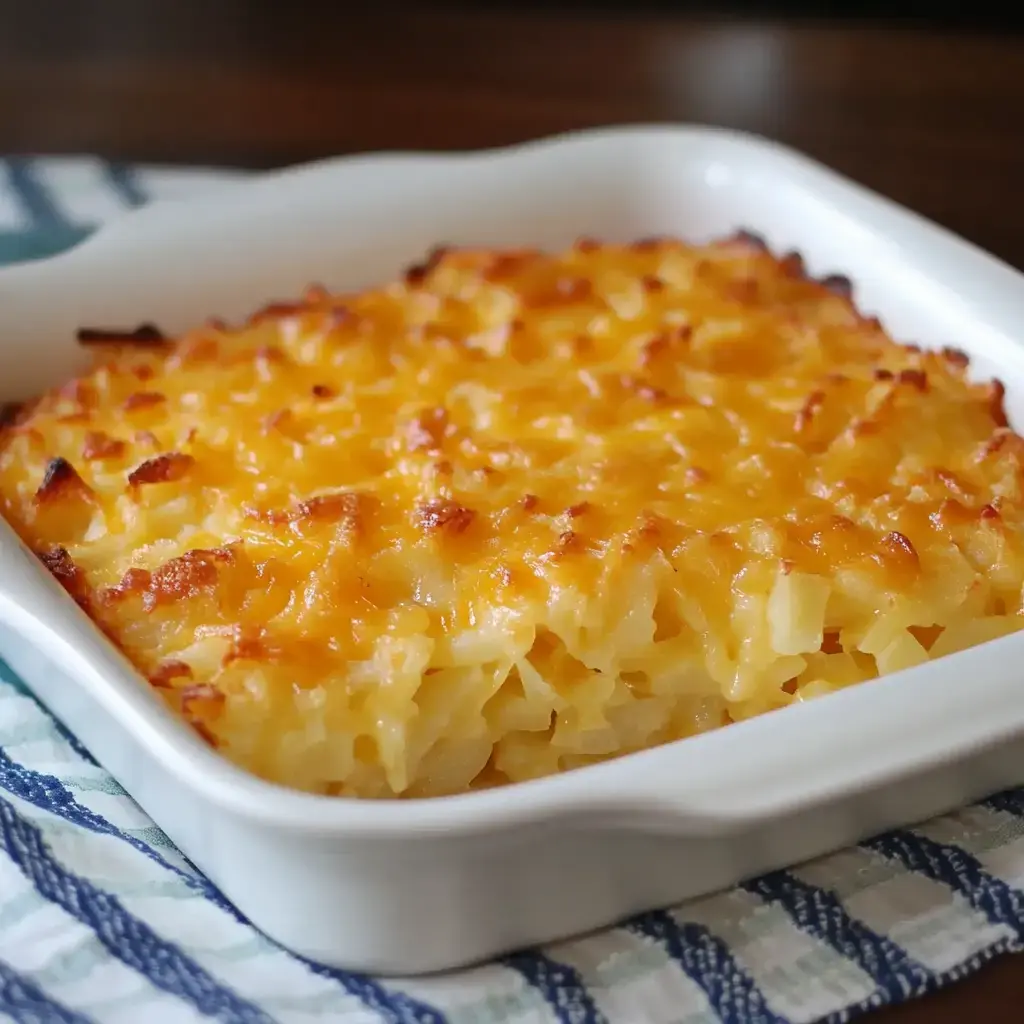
<point x="409" y="887"/>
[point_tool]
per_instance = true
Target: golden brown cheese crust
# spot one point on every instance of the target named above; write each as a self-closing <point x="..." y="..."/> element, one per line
<point x="520" y="512"/>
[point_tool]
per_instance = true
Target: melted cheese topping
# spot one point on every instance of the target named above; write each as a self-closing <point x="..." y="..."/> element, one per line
<point x="516" y="513"/>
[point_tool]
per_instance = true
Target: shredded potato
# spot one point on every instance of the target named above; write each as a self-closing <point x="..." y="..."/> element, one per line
<point x="517" y="513"/>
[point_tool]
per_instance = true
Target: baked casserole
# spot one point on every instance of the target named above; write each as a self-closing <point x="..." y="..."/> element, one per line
<point x="518" y="512"/>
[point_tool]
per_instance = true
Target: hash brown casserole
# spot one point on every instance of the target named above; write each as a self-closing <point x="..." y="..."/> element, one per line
<point x="517" y="512"/>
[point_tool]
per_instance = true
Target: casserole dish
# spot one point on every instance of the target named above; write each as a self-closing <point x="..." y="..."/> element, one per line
<point x="415" y="886"/>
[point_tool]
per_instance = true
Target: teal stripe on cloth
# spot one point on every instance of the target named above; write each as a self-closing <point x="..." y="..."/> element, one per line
<point x="22" y="246"/>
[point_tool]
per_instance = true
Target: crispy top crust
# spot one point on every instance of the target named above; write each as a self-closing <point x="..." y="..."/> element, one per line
<point x="492" y="431"/>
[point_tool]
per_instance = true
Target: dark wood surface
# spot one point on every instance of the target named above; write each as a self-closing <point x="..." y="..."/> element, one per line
<point x="932" y="118"/>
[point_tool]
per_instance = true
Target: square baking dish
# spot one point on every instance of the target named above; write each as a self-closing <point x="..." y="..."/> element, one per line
<point x="407" y="887"/>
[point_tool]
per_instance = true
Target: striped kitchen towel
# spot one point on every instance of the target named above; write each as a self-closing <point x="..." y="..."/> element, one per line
<point x="50" y="204"/>
<point x="102" y="920"/>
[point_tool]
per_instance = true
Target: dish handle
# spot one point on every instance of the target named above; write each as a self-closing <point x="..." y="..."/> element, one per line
<point x="38" y="345"/>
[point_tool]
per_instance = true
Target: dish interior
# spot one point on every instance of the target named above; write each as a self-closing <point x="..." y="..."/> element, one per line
<point x="517" y="513"/>
<point x="695" y="188"/>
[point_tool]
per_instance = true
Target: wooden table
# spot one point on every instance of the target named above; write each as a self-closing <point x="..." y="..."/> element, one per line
<point x="934" y="120"/>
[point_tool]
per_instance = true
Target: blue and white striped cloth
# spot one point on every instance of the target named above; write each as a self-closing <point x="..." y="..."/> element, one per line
<point x="50" y="204"/>
<point x="102" y="920"/>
